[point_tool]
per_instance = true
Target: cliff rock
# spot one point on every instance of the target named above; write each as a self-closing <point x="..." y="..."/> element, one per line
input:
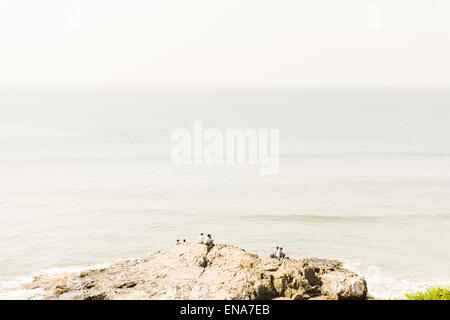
<point x="194" y="271"/>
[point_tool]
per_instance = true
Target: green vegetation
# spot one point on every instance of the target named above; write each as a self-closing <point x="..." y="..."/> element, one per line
<point x="431" y="294"/>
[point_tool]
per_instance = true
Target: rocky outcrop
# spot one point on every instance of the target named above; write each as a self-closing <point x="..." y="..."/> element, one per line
<point x="193" y="271"/>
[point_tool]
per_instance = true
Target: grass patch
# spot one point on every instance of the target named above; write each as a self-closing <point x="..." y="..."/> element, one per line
<point x="430" y="294"/>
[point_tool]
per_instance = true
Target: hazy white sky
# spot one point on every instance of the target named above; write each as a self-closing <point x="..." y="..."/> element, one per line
<point x="224" y="42"/>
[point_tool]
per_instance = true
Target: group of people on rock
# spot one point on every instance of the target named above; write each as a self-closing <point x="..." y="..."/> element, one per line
<point x="178" y="241"/>
<point x="278" y="253"/>
<point x="202" y="239"/>
<point x="207" y="240"/>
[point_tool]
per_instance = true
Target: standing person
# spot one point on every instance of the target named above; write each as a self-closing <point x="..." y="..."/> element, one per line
<point x="211" y="239"/>
<point x="201" y="238"/>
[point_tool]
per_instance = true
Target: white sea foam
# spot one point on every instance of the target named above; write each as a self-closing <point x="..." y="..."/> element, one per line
<point x="13" y="289"/>
<point x="383" y="286"/>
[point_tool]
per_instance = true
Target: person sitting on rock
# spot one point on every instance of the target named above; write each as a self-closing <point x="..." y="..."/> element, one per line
<point x="184" y="241"/>
<point x="178" y="242"/>
<point x="274" y="254"/>
<point x="208" y="241"/>
<point x="201" y="238"/>
<point x="281" y="254"/>
<point x="277" y="253"/>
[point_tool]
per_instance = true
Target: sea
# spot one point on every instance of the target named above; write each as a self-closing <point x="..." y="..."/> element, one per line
<point x="87" y="179"/>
